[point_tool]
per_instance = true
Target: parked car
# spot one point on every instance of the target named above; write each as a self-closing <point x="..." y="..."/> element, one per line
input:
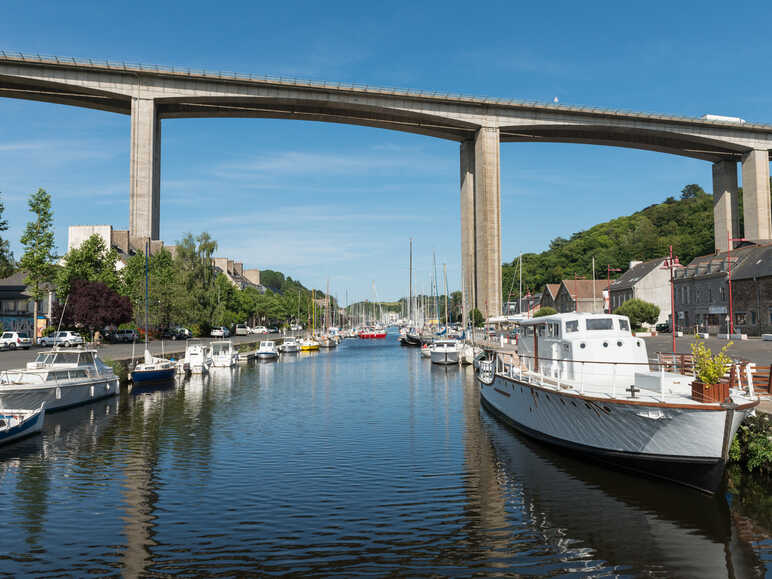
<point x="273" y="330"/>
<point x="177" y="333"/>
<point x="241" y="330"/>
<point x="259" y="330"/>
<point x="663" y="327"/>
<point x="14" y="340"/>
<point x="64" y="339"/>
<point x="121" y="336"/>
<point x="220" y="332"/>
<point x="296" y="327"/>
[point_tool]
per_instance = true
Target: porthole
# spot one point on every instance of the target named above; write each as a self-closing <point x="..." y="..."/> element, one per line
<point x="605" y="344"/>
<point x="582" y="345"/>
<point x="638" y="343"/>
<point x="619" y="343"/>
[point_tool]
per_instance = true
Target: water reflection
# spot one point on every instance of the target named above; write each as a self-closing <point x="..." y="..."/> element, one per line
<point x="596" y="517"/>
<point x="363" y="460"/>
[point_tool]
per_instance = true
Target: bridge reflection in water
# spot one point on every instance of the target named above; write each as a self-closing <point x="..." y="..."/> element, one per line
<point x="366" y="459"/>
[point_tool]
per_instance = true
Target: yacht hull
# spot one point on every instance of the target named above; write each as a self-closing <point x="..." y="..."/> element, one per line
<point x="678" y="443"/>
<point x="33" y="424"/>
<point x="57" y="397"/>
<point x="147" y="376"/>
<point x="444" y="357"/>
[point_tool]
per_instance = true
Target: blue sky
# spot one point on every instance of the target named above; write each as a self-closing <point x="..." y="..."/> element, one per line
<point x="319" y="200"/>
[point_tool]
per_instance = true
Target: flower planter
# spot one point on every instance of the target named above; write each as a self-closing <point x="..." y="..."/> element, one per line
<point x="710" y="392"/>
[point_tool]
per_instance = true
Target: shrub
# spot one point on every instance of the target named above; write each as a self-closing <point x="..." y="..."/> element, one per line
<point x="639" y="312"/>
<point x="709" y="368"/>
<point x="752" y="447"/>
<point x="545" y="311"/>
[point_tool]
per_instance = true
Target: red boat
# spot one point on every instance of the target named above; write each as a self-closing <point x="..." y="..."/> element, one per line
<point x="371" y="334"/>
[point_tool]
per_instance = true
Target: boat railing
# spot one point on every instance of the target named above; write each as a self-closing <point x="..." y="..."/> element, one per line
<point x="565" y="373"/>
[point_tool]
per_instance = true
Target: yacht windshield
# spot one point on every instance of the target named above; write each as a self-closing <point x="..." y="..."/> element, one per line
<point x="600" y="324"/>
<point x="624" y="325"/>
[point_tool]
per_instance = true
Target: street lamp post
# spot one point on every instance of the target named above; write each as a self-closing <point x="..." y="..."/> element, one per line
<point x="609" y="269"/>
<point x="729" y="259"/>
<point x="671" y="263"/>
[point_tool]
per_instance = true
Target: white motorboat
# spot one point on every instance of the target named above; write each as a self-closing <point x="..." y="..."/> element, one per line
<point x="15" y="424"/>
<point x="197" y="356"/>
<point x="584" y="382"/>
<point x="60" y="379"/>
<point x="223" y="354"/>
<point x="445" y="352"/>
<point x="267" y="351"/>
<point x="289" y="346"/>
<point x="426" y="351"/>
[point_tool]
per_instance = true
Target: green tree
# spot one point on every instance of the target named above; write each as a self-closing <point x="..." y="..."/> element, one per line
<point x="639" y="312"/>
<point x="166" y="296"/>
<point x="92" y="261"/>
<point x="476" y="318"/>
<point x="7" y="264"/>
<point x="545" y="311"/>
<point x="38" y="259"/>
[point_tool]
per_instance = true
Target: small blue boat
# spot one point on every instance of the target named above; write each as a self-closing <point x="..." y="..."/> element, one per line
<point x="153" y="370"/>
<point x="15" y="424"/>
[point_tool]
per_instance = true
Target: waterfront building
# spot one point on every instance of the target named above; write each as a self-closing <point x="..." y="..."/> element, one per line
<point x="702" y="291"/>
<point x="16" y="306"/>
<point x="549" y="295"/>
<point x="236" y="274"/>
<point x="644" y="280"/>
<point x="581" y="295"/>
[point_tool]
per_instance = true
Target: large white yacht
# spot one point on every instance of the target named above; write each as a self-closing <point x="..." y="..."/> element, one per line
<point x="58" y="378"/>
<point x="584" y="382"/>
<point x="445" y="352"/>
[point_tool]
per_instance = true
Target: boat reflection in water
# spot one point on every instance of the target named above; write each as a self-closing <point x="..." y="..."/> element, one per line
<point x="598" y="518"/>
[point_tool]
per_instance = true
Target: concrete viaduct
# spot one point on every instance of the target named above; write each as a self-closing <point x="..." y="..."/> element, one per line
<point x="150" y="94"/>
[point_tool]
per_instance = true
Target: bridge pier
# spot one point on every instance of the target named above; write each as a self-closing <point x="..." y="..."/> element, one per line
<point x="481" y="223"/>
<point x="145" y="187"/>
<point x="757" y="215"/>
<point x="726" y="212"/>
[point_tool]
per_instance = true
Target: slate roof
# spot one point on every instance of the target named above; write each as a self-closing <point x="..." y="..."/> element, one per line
<point x="636" y="273"/>
<point x="756" y="263"/>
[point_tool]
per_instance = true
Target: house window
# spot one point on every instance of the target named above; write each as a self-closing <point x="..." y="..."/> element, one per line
<point x="710" y="295"/>
<point x="753" y="318"/>
<point x="722" y="294"/>
<point x="740" y="318"/>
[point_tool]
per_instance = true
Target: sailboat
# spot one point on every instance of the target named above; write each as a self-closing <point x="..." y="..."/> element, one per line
<point x="152" y="369"/>
<point x="309" y="344"/>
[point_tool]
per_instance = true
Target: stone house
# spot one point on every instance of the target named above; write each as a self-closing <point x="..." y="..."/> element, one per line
<point x="752" y="292"/>
<point x="647" y="281"/>
<point x="581" y="295"/>
<point x="702" y="291"/>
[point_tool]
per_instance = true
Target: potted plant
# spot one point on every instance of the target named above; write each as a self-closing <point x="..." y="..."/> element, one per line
<point x="709" y="369"/>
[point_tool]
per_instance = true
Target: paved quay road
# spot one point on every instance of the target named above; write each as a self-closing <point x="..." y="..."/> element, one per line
<point x="19" y="358"/>
<point x="753" y="350"/>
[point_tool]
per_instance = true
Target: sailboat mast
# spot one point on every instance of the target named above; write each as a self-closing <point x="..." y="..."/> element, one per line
<point x="520" y="291"/>
<point x="410" y="303"/>
<point x="147" y="292"/>
<point x="445" y="275"/>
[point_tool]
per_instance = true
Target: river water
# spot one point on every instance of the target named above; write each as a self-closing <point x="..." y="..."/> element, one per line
<point x="365" y="460"/>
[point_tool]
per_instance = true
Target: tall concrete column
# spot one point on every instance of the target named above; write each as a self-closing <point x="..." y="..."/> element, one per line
<point x="726" y="212"/>
<point x="487" y="217"/>
<point x="757" y="216"/>
<point x="467" y="229"/>
<point x="145" y="188"/>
